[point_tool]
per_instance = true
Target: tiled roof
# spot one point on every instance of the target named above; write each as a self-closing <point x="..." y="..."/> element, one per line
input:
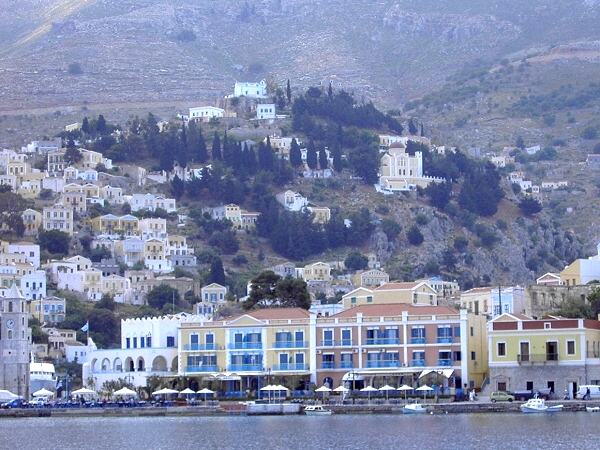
<point x="478" y="290"/>
<point x="394" y="309"/>
<point x="398" y="285"/>
<point x="275" y="314"/>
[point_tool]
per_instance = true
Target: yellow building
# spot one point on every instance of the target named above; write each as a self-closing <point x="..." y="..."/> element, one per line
<point x="126" y="225"/>
<point x="548" y="354"/>
<point x="582" y="271"/>
<point x="271" y="342"/>
<point x="322" y="214"/>
<point x="318" y="271"/>
<point x="416" y="293"/>
<point x="32" y="220"/>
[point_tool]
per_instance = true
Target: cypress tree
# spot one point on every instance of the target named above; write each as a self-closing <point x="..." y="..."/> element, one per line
<point x="295" y="154"/>
<point x="288" y="92"/>
<point x="311" y="156"/>
<point x="101" y="125"/>
<point x="85" y="126"/>
<point x="216" y="148"/>
<point x="323" y="162"/>
<point x="337" y="159"/>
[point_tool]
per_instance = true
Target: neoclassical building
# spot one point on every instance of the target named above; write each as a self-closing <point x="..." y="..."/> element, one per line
<point x="400" y="171"/>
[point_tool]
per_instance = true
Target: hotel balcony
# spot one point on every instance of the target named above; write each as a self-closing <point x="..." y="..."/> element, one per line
<point x="245" y="367"/>
<point x="541" y="358"/>
<point x="201" y="369"/>
<point x="328" y="365"/>
<point x="417" y="340"/>
<point x="290" y="366"/>
<point x="444" y="362"/>
<point x="346" y="365"/>
<point x="290" y="344"/>
<point x="418" y="362"/>
<point x="202" y="347"/>
<point x="245" y="346"/>
<point x="382" y="364"/>
<point x="444" y="340"/>
<point x="383" y="341"/>
<point x="340" y="343"/>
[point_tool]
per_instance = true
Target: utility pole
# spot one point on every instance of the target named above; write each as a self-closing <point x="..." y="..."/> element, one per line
<point x="500" y="299"/>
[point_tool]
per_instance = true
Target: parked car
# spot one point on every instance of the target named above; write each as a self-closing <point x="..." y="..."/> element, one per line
<point x="582" y="392"/>
<point x="527" y="394"/>
<point x="500" y="396"/>
<point x="16" y="403"/>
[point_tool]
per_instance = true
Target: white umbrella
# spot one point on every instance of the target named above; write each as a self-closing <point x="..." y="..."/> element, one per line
<point x="125" y="392"/>
<point x="268" y="388"/>
<point x="43" y="393"/>
<point x="165" y="391"/>
<point x="405" y="388"/>
<point x="187" y="391"/>
<point x="6" y="396"/>
<point x="323" y="389"/>
<point x="83" y="391"/>
<point x="205" y="392"/>
<point x="424" y="389"/>
<point x="369" y="389"/>
<point x="279" y="388"/>
<point x="387" y="388"/>
<point x="341" y="389"/>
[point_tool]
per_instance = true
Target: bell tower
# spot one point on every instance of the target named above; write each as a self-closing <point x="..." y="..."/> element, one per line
<point x="15" y="336"/>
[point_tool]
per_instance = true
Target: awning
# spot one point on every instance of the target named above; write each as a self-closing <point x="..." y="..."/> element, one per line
<point x="444" y="372"/>
<point x="352" y="376"/>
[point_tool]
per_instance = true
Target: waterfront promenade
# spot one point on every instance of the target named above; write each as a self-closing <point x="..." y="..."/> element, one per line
<point x="235" y="408"/>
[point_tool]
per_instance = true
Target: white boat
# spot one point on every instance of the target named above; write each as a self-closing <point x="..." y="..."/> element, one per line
<point x="592" y="408"/>
<point x="414" y="408"/>
<point x="317" y="410"/>
<point x="538" y="405"/>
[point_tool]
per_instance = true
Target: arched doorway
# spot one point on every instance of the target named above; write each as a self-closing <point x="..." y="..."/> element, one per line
<point x="175" y="364"/>
<point x="118" y="365"/>
<point x="159" y="364"/>
<point x="129" y="365"/>
<point x="140" y="364"/>
<point x="105" y="367"/>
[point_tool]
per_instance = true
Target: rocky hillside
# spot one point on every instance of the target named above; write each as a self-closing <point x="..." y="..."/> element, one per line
<point x="148" y="51"/>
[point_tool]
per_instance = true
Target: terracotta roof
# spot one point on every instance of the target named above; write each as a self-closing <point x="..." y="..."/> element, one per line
<point x="274" y="314"/>
<point x="394" y="309"/>
<point x="398" y="285"/>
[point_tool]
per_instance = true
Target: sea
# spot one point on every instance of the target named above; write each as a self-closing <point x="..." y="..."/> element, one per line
<point x="453" y="431"/>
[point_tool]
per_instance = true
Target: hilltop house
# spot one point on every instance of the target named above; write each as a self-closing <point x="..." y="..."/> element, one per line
<point x="399" y="171"/>
<point x="249" y="89"/>
<point x="205" y="113"/>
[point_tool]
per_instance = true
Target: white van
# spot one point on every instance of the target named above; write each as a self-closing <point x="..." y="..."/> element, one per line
<point x="594" y="391"/>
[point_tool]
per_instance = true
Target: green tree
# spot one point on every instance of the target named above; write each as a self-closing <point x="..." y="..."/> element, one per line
<point x="337" y="159"/>
<point x="311" y="156"/>
<point x="162" y="295"/>
<point x="217" y="273"/>
<point x="72" y="156"/>
<point x="270" y="290"/>
<point x="323" y="161"/>
<point x="177" y="187"/>
<point x="106" y="302"/>
<point x="520" y="143"/>
<point x="85" y="126"/>
<point x="439" y="194"/>
<point x="101" y="127"/>
<point x="288" y="92"/>
<point x="356" y="261"/>
<point x="530" y="206"/>
<point x="391" y="228"/>
<point x="54" y="241"/>
<point x="414" y="236"/>
<point x="105" y="327"/>
<point x="364" y="162"/>
<point x="226" y="241"/>
<point x="216" y="148"/>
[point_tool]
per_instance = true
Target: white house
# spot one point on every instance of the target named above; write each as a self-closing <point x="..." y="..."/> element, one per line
<point x="508" y="300"/>
<point x="29" y="250"/>
<point x="292" y="201"/>
<point x="149" y="348"/>
<point x="41" y="147"/>
<point x="252" y="90"/>
<point x="33" y="285"/>
<point x="400" y="171"/>
<point x="205" y="113"/>
<point x="265" y="111"/>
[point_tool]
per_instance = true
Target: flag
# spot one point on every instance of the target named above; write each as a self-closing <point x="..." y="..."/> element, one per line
<point x="86" y="327"/>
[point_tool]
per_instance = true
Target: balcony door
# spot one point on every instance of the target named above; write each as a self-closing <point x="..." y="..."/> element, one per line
<point x="551" y="351"/>
<point x="524" y="351"/>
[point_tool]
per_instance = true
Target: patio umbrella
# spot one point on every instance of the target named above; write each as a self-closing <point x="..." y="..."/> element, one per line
<point x="187" y="392"/>
<point x="83" y="391"/>
<point x="341" y="389"/>
<point x="424" y="389"/>
<point x="125" y="392"/>
<point x="323" y="389"/>
<point x="369" y="389"/>
<point x="43" y="393"/>
<point x="279" y="388"/>
<point x="6" y="396"/>
<point x="205" y="392"/>
<point x="165" y="391"/>
<point x="268" y="388"/>
<point x="405" y="388"/>
<point x="387" y="388"/>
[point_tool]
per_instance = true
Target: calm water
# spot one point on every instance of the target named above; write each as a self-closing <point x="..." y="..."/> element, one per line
<point x="463" y="431"/>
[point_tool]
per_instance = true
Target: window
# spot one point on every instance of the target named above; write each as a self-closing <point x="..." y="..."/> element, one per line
<point x="473" y="356"/>
<point x="570" y="347"/>
<point x="170" y="341"/>
<point x="194" y="341"/>
<point x="353" y="300"/>
<point x="346" y="336"/>
<point x="210" y="341"/>
<point x="369" y="299"/>
<point x="134" y="342"/>
<point x="501" y="349"/>
<point x="142" y="342"/>
<point x="529" y="385"/>
<point x="472" y="331"/>
<point x="328" y="337"/>
<point x="299" y="337"/>
<point x="149" y="341"/>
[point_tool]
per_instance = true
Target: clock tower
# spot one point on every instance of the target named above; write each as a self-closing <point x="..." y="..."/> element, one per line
<point x="15" y="338"/>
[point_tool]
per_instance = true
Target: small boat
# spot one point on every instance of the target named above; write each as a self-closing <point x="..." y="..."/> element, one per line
<point x="414" y="408"/>
<point x="592" y="408"/>
<point x="317" y="410"/>
<point x="538" y="405"/>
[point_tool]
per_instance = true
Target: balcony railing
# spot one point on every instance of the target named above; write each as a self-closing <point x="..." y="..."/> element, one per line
<point x="290" y="344"/>
<point x="192" y="347"/>
<point x="418" y="362"/>
<point x="328" y="365"/>
<point x="383" y="341"/>
<point x="444" y="362"/>
<point x="346" y="365"/>
<point x="202" y="368"/>
<point x="535" y="358"/>
<point x="245" y="346"/>
<point x="382" y="363"/>
<point x="245" y="367"/>
<point x="417" y="340"/>
<point x="290" y="366"/>
<point x="444" y="339"/>
<point x="328" y="343"/>
<point x="336" y="343"/>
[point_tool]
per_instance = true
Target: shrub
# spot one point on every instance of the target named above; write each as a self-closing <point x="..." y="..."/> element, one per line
<point x="356" y="261"/>
<point x="530" y="206"/>
<point x="422" y="219"/>
<point x="414" y="236"/>
<point x="589" y="133"/>
<point x="461" y="243"/>
<point x="391" y="228"/>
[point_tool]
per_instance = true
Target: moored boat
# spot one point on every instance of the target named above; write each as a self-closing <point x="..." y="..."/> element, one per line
<point x="317" y="410"/>
<point x="538" y="405"/>
<point x="592" y="408"/>
<point x="414" y="408"/>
